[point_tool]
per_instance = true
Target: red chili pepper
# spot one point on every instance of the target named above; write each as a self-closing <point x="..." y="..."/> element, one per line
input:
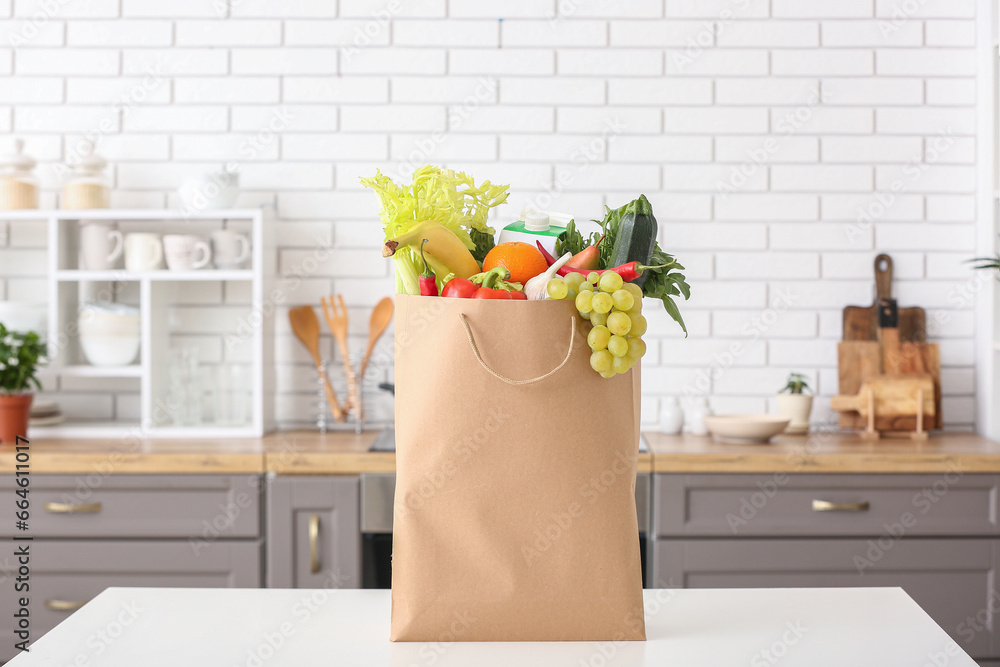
<point x="460" y="288"/>
<point x="428" y="283"/>
<point x="628" y="272"/>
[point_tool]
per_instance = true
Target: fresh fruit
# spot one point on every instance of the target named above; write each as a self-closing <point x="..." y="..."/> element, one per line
<point x="619" y="323"/>
<point x="638" y="325"/>
<point x="623" y="299"/>
<point x="618" y="346"/>
<point x="537" y="287"/>
<point x="442" y="243"/>
<point x="522" y="260"/>
<point x="584" y="302"/>
<point x="621" y="364"/>
<point x="636" y="348"/>
<point x="573" y="280"/>
<point x="588" y="258"/>
<point x="601" y="361"/>
<point x="610" y="282"/>
<point x="598" y="318"/>
<point x="593" y="277"/>
<point x="557" y="288"/>
<point x="602" y="302"/>
<point x="598" y="337"/>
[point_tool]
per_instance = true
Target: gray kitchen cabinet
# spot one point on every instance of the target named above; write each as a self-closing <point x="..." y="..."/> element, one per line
<point x="936" y="536"/>
<point x="65" y="574"/>
<point x="314" y="536"/>
<point x="206" y="507"/>
<point x="801" y="505"/>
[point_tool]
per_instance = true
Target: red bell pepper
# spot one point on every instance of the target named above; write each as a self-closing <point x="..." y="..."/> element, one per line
<point x="460" y="288"/>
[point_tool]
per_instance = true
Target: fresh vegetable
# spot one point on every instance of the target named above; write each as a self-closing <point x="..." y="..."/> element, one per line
<point x="428" y="281"/>
<point x="636" y="235"/>
<point x="441" y="243"/>
<point x="662" y="278"/>
<point x="536" y="287"/>
<point x="522" y="260"/>
<point x="484" y="241"/>
<point x="571" y="240"/>
<point x="493" y="284"/>
<point x="459" y="288"/>
<point x="588" y="258"/>
<point x="436" y="195"/>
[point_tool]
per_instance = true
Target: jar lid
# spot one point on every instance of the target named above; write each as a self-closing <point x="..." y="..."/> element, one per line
<point x="88" y="161"/>
<point x="17" y="159"/>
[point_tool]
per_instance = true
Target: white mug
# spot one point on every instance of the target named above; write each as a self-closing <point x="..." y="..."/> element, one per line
<point x="143" y="252"/>
<point x="230" y="248"/>
<point x="101" y="245"/>
<point x="181" y="251"/>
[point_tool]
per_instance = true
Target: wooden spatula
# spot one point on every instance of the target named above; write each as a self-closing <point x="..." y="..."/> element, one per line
<point x="305" y="326"/>
<point x="861" y="322"/>
<point x="379" y="322"/>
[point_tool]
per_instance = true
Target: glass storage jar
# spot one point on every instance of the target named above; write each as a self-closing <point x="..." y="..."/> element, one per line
<point x="18" y="185"/>
<point x="88" y="185"/>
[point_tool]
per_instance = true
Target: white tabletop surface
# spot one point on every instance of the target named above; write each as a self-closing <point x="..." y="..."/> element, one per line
<point x="143" y="627"/>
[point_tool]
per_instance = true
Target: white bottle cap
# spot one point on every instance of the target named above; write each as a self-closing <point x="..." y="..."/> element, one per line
<point x="536" y="221"/>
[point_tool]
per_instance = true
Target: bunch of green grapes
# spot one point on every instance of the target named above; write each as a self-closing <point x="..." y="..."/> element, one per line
<point x="614" y="308"/>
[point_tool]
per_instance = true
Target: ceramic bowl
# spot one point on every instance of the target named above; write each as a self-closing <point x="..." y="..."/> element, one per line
<point x="109" y="334"/>
<point x="745" y="429"/>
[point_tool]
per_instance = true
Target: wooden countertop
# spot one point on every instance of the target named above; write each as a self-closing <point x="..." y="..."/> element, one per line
<point x="344" y="453"/>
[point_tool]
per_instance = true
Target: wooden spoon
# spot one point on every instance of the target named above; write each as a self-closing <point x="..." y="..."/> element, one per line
<point x="305" y="326"/>
<point x="379" y="322"/>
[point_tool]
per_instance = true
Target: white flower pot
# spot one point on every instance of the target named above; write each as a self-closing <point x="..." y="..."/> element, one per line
<point x="797" y="408"/>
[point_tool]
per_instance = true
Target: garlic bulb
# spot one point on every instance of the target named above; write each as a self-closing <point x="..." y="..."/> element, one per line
<point x="535" y="288"/>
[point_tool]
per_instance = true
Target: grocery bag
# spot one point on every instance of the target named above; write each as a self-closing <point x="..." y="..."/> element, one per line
<point x="514" y="516"/>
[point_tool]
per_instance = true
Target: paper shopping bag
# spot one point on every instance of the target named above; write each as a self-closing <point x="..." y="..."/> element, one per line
<point x="514" y="516"/>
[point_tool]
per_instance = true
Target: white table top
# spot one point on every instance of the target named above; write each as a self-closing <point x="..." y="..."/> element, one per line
<point x="144" y="627"/>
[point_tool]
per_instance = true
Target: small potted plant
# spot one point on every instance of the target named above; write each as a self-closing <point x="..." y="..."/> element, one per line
<point x="795" y="402"/>
<point x="20" y="356"/>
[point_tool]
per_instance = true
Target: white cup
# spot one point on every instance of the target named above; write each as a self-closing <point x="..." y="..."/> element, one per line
<point x="182" y="252"/>
<point x="230" y="248"/>
<point x="143" y="252"/>
<point x="101" y="245"/>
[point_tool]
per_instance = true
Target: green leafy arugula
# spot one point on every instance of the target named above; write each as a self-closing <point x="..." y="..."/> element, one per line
<point x="484" y="243"/>
<point x="664" y="283"/>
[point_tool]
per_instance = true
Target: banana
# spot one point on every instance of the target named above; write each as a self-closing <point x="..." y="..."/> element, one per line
<point x="442" y="243"/>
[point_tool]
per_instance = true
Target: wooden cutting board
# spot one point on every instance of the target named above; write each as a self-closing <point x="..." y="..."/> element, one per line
<point x="861" y="322"/>
<point x="858" y="361"/>
<point x="894" y="396"/>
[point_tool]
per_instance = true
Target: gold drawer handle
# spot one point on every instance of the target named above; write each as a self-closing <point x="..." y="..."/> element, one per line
<point x="827" y="506"/>
<point x="63" y="605"/>
<point x="66" y="508"/>
<point x="314" y="543"/>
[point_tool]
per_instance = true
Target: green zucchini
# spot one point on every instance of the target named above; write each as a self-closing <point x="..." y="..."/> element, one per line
<point x="636" y="236"/>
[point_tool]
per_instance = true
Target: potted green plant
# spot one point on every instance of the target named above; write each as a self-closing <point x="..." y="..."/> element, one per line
<point x="20" y="356"/>
<point x="795" y="402"/>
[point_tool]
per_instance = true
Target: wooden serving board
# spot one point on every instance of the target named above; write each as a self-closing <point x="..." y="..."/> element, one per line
<point x="861" y="322"/>
<point x="858" y="361"/>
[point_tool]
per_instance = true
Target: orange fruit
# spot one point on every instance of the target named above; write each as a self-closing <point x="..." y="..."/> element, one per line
<point x="522" y="260"/>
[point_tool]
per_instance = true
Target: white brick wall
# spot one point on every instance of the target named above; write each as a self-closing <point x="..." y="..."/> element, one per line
<point x="783" y="144"/>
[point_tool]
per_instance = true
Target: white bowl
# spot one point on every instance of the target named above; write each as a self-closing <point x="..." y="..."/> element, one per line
<point x="110" y="350"/>
<point x="745" y="429"/>
<point x="22" y="317"/>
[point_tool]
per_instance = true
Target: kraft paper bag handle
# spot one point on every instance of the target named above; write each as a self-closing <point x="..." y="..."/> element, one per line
<point x="479" y="357"/>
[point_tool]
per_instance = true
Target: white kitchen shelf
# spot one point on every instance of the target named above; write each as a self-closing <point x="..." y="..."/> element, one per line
<point x="155" y="295"/>
<point x="85" y="371"/>
<point x="75" y="275"/>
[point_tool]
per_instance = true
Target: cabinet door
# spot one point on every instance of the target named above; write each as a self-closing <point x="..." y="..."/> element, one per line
<point x="314" y="533"/>
<point x="951" y="579"/>
<point x="66" y="574"/>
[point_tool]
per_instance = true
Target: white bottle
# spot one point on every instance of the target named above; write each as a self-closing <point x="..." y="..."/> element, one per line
<point x="671" y="416"/>
<point x="536" y="226"/>
<point x="694" y="419"/>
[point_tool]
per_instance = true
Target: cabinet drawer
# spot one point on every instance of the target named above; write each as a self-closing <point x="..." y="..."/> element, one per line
<point x="66" y="573"/>
<point x="140" y="506"/>
<point x="845" y="505"/>
<point x="950" y="578"/>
